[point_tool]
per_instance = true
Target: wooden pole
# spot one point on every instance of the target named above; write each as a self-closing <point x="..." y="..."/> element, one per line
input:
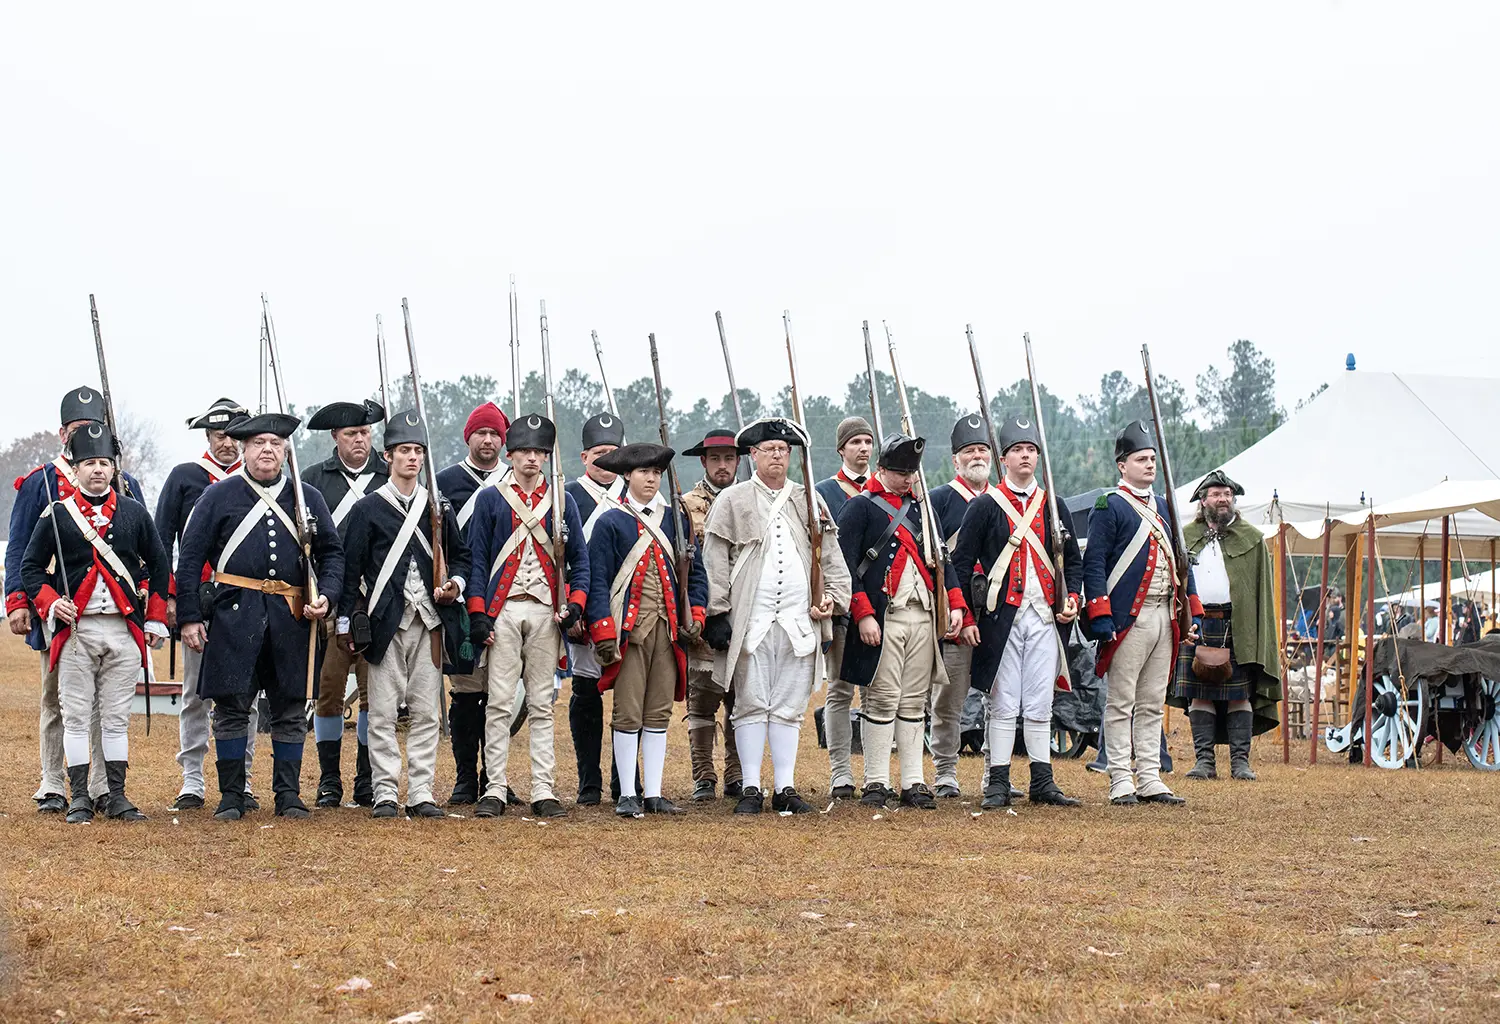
<point x="1370" y="633"/>
<point x="1280" y="603"/>
<point x="1493" y="610"/>
<point x="1317" y="693"/>
<point x="1445" y="585"/>
<point x="1422" y="587"/>
<point x="1351" y="618"/>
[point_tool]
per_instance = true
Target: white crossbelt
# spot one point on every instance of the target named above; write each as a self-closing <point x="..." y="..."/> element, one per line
<point x="531" y="527"/>
<point x="268" y="500"/>
<point x="1150" y="523"/>
<point x="357" y="488"/>
<point x="1021" y="533"/>
<point x="494" y="478"/>
<point x="100" y="545"/>
<point x="604" y="499"/>
<point x="397" y="554"/>
<point x="621" y="583"/>
<point x="215" y="471"/>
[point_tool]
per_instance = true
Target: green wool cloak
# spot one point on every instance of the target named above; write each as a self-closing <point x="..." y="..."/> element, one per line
<point x="1256" y="642"/>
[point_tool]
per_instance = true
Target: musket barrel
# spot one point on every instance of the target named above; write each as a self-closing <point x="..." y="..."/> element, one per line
<point x="874" y="389"/>
<point x="984" y="399"/>
<point x="304" y="522"/>
<point x="109" y="402"/>
<point x="1047" y="479"/>
<point x="734" y="391"/>
<point x="559" y="541"/>
<point x="515" y="349"/>
<point x="814" y="525"/>
<point x="684" y="554"/>
<point x="385" y="380"/>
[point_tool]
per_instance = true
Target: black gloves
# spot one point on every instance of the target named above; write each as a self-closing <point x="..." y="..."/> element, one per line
<point x="716" y="632"/>
<point x="571" y="614"/>
<point x="480" y="628"/>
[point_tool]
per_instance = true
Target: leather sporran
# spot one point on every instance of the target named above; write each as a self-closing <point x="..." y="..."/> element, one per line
<point x="1212" y="664"/>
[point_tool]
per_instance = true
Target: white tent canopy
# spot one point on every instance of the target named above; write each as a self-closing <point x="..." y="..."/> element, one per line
<point x="1478" y="585"/>
<point x="1400" y="525"/>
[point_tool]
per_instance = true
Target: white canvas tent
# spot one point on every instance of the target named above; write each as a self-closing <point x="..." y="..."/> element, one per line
<point x="1372" y="437"/>
<point x="1401" y="525"/>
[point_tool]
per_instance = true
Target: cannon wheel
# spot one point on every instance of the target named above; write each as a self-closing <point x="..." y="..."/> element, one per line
<point x="1066" y="742"/>
<point x="1397" y="721"/>
<point x="1482" y="739"/>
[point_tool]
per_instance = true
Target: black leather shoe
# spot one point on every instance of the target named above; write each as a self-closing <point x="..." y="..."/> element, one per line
<point x="425" y="809"/>
<point x="548" y="808"/>
<point x="733" y="790"/>
<point x="54" y="803"/>
<point x="330" y="783"/>
<point x="943" y="791"/>
<point x="249" y="801"/>
<point x="703" y="791"/>
<point x="628" y="806"/>
<point x="385" y="809"/>
<point x="788" y="799"/>
<point x="876" y="795"/>
<point x="661" y="805"/>
<point x="490" y="807"/>
<point x="364" y="786"/>
<point x="231" y="789"/>
<point x="187" y="802"/>
<point x="842" y="793"/>
<point x="511" y="800"/>
<point x="1044" y="788"/>
<point x="997" y="791"/>
<point x="589" y="797"/>
<point x="1170" y="799"/>
<point x="1125" y="800"/>
<point x="918" y="796"/>
<point x="751" y="801"/>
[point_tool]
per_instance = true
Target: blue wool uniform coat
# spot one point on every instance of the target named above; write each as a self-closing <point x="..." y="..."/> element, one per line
<point x="34" y="492"/>
<point x="457" y="485"/>
<point x="369" y="533"/>
<point x="331" y="480"/>
<point x="493" y="523"/>
<point x="185" y="484"/>
<point x="615" y="533"/>
<point x="240" y="620"/>
<point x="833" y="494"/>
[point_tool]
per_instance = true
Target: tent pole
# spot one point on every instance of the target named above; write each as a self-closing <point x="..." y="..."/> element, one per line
<point x="1280" y="602"/>
<point x="1354" y="589"/>
<point x="1422" y="587"/>
<point x="1317" y="690"/>
<point x="1492" y="577"/>
<point x="1445" y="589"/>
<point x="1370" y="633"/>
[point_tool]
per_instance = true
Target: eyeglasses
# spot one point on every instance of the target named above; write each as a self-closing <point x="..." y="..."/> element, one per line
<point x="774" y="451"/>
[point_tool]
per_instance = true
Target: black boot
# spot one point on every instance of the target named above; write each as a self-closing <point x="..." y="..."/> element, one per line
<point x="231" y="788"/>
<point x="286" y="781"/>
<point x="364" y="789"/>
<point x="1240" y="727"/>
<point x="586" y="723"/>
<point x="120" y="807"/>
<point x="1204" y="724"/>
<point x="1044" y="788"/>
<point x="82" y="807"/>
<point x="462" y="716"/>
<point x="330" y="779"/>
<point x="997" y="788"/>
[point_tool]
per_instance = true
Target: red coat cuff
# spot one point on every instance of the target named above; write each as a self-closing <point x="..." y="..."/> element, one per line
<point x="578" y="597"/>
<point x="45" y="598"/>
<point x="156" y="609"/>
<point x="604" y="629"/>
<point x="172" y="585"/>
<point x="1099" y="608"/>
<point x="1076" y="598"/>
<point x="15" y="601"/>
<point x="699" y="615"/>
<point x="1195" y="606"/>
<point x="956" y="600"/>
<point x="476" y="606"/>
<point x="860" y="607"/>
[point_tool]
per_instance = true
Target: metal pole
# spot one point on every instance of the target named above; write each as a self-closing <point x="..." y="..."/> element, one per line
<point x="1422" y="587"/>
<point x="1286" y="725"/>
<point x="1370" y="554"/>
<point x="1444" y="589"/>
<point x="1317" y="691"/>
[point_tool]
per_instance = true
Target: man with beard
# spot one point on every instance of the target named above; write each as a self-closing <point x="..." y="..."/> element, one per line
<point x="1230" y="681"/>
<point x="37" y="489"/>
<point x="351" y="472"/>
<point x="96" y="572"/>
<point x="461" y="484"/>
<point x="252" y="620"/>
<point x="758" y="552"/>
<point x="855" y="441"/>
<point x="185" y="484"/>
<point x="1133" y="612"/>
<point x="971" y="478"/>
<point x="719" y="452"/>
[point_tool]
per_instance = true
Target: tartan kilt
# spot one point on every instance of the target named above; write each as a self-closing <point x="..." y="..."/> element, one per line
<point x="1214" y="632"/>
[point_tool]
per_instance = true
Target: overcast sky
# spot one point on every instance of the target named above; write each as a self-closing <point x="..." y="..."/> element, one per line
<point x="1318" y="178"/>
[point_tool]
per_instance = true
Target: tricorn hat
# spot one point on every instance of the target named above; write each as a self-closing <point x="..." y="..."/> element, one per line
<point x="92" y="441"/>
<point x="530" y="430"/>
<point x="640" y="455"/>
<point x="1017" y="430"/>
<point x="337" y="415"/>
<point x="218" y="415"/>
<point x="1135" y="437"/>
<point x="1218" y="478"/>
<point x="718" y="437"/>
<point x="901" y="453"/>
<point x="278" y="423"/>
<point x="605" y="428"/>
<point x="969" y="430"/>
<point x="772" y="428"/>
<point x="404" y="428"/>
<point x="82" y="404"/>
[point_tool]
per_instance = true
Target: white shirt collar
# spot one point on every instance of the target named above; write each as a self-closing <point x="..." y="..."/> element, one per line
<point x="1139" y="494"/>
<point x="854" y="474"/>
<point x="351" y="471"/>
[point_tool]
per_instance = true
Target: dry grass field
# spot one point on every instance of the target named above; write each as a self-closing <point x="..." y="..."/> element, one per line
<point x="1332" y="894"/>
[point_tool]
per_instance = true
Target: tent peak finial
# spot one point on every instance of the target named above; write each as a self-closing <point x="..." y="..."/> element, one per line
<point x="1349" y="361"/>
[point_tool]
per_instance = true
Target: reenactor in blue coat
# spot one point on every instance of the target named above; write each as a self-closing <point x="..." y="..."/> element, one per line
<point x="252" y="620"/>
<point x="460" y="485"/>
<point x="95" y="570"/>
<point x="1006" y="561"/>
<point x="35" y="490"/>
<point x="1132" y="611"/>
<point x="855" y="442"/>
<point x="391" y="612"/>
<point x="594" y="493"/>
<point x="352" y="471"/>
<point x="971" y="477"/>
<point x="513" y="591"/>
<point x="636" y="622"/>
<point x="892" y="649"/>
<point x="179" y="494"/>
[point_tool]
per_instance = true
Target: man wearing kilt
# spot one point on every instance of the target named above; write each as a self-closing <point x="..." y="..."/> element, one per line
<point x="1230" y="680"/>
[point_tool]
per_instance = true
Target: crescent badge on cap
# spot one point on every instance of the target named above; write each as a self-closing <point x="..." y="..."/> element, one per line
<point x="1023" y="424"/>
<point x="604" y="421"/>
<point x="536" y="421"/>
<point x="85" y="398"/>
<point x="973" y="421"/>
<point x="96" y="431"/>
<point x="411" y="419"/>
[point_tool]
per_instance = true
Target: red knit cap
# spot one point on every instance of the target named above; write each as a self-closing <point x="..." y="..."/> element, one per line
<point x="487" y="415"/>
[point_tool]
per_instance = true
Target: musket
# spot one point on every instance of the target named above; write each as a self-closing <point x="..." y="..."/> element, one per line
<point x="1060" y="597"/>
<point x="937" y="548"/>
<point x="814" y="520"/>
<point x="265" y="358"/>
<point x="684" y="553"/>
<point x="734" y="391"/>
<point x="385" y="378"/>
<point x="874" y="391"/>
<point x="609" y="396"/>
<point x="1174" y="521"/>
<point x="515" y="350"/>
<point x="434" y="508"/>
<point x="984" y="399"/>
<point x="307" y="525"/>
<point x="555" y="485"/>
<point x="109" y="404"/>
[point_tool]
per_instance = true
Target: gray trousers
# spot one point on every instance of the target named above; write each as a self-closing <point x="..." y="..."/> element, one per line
<point x="96" y="675"/>
<point x="947" y="698"/>
<point x="524" y="655"/>
<point x="54" y="770"/>
<point x="837" y="726"/>
<point x="1138" y="678"/>
<point x="194" y="729"/>
<point x="405" y="673"/>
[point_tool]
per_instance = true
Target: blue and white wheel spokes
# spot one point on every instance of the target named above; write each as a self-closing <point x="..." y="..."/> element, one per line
<point x="1396" y="721"/>
<point x="1482" y="743"/>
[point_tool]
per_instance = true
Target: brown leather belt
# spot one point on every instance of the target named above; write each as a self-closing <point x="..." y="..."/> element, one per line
<point x="295" y="599"/>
